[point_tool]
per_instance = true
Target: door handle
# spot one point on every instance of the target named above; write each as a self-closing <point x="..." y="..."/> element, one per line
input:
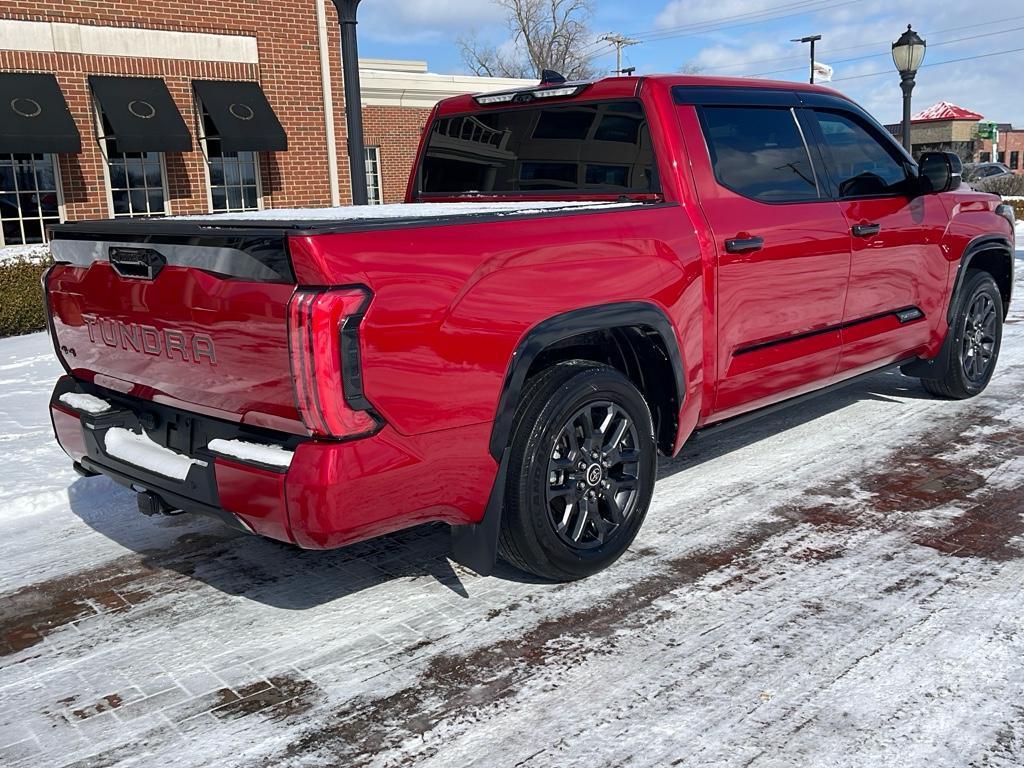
<point x="744" y="244"/>
<point x="865" y="230"/>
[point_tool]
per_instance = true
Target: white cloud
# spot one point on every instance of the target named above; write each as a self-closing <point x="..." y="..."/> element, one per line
<point x="678" y="13"/>
<point x="427" y="20"/>
<point x="867" y="28"/>
<point x="730" y="58"/>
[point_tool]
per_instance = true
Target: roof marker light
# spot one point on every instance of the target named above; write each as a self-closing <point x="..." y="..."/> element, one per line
<point x="498" y="98"/>
<point x="548" y="93"/>
<point x="519" y="97"/>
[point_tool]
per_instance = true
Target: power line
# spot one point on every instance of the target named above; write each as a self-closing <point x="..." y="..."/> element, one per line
<point x="859" y="46"/>
<point x="686" y="28"/>
<point x="886" y="53"/>
<point x="725" y="22"/>
<point x="720" y="27"/>
<point x="934" y="64"/>
<point x="620" y="42"/>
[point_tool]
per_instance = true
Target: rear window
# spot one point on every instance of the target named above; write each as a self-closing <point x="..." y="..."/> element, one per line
<point x="600" y="147"/>
<point x="760" y="153"/>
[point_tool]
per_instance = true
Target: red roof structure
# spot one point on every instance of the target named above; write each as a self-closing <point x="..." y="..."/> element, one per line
<point x="945" y="111"/>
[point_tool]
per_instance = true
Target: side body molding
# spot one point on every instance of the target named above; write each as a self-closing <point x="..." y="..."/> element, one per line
<point x="560" y="327"/>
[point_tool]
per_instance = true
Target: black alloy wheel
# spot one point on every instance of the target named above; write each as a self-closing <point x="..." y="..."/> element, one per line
<point x="581" y="471"/>
<point x="976" y="332"/>
<point x="592" y="481"/>
<point x="978" y="345"/>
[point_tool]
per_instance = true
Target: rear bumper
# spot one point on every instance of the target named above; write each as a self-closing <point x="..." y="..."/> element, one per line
<point x="331" y="494"/>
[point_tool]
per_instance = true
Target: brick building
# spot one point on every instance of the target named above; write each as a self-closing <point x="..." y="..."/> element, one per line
<point x="1009" y="150"/>
<point x="943" y="127"/>
<point x="124" y="108"/>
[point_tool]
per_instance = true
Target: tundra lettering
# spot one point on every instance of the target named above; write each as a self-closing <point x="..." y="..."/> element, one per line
<point x="196" y="347"/>
<point x="582" y="276"/>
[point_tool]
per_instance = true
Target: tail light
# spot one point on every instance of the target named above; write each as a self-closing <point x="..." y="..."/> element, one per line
<point x="324" y="347"/>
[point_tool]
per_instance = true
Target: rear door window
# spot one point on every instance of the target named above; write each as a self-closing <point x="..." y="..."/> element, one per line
<point x="860" y="163"/>
<point x="760" y="153"/>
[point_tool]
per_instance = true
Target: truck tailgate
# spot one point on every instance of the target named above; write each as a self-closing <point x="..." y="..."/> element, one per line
<point x="207" y="333"/>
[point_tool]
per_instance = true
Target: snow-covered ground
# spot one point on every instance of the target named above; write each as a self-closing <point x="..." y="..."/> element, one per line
<point x="24" y="253"/>
<point x="839" y="585"/>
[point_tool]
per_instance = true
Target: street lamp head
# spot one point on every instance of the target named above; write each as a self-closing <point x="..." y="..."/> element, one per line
<point x="908" y="52"/>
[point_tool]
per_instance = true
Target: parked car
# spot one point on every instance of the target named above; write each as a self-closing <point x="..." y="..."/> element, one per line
<point x="978" y="175"/>
<point x="584" y="274"/>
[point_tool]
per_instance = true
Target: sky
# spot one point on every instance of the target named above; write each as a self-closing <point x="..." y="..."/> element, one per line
<point x="975" y="55"/>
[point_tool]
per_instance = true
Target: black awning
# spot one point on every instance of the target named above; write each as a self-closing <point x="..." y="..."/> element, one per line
<point x="242" y="115"/>
<point x="34" y="116"/>
<point x="141" y="113"/>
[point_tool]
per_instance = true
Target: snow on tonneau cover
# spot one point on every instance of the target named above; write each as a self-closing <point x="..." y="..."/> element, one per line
<point x="193" y="312"/>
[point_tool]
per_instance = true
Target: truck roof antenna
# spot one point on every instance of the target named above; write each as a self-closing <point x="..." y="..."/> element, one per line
<point x="550" y="77"/>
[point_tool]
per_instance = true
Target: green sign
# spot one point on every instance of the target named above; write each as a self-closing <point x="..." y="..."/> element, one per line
<point x="987" y="130"/>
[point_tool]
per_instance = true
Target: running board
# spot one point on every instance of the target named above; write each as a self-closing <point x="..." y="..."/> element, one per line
<point x="769" y="410"/>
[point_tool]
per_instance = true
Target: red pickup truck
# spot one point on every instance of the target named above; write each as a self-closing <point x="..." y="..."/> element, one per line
<point x="583" y="274"/>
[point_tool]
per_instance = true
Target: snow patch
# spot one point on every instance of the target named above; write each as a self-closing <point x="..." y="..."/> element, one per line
<point x="142" y="452"/>
<point x="274" y="455"/>
<point x="409" y="210"/>
<point x="83" y="402"/>
<point x="35" y="253"/>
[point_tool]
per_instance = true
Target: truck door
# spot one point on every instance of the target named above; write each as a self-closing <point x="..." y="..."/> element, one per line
<point x="898" y="273"/>
<point x="783" y="250"/>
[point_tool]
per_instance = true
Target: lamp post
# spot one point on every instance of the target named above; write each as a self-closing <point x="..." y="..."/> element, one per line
<point x="353" y="102"/>
<point x="812" y="39"/>
<point x="907" y="55"/>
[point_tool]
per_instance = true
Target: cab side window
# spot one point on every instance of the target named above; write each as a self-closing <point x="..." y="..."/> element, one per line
<point x="861" y="165"/>
<point x="760" y="153"/>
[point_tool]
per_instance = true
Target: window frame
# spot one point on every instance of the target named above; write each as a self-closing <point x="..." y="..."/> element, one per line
<point x="374" y="151"/>
<point x="1014" y="163"/>
<point x="823" y="188"/>
<point x="102" y="138"/>
<point x="199" y="112"/>
<point x="59" y="189"/>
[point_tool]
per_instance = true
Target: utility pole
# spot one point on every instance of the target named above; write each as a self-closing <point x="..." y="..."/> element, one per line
<point x="620" y="42"/>
<point x="812" y="39"/>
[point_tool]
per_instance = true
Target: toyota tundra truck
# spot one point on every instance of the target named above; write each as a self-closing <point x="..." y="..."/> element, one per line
<point x="583" y="274"/>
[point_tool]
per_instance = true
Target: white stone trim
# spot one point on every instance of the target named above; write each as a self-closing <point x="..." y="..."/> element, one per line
<point x="394" y="65"/>
<point x="400" y="88"/>
<point x="333" y="177"/>
<point x="59" y="37"/>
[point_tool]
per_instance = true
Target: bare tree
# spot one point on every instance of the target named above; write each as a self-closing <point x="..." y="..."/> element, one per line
<point x="546" y="34"/>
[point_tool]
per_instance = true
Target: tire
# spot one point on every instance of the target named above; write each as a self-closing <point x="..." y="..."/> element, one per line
<point x="977" y="329"/>
<point x="568" y="514"/>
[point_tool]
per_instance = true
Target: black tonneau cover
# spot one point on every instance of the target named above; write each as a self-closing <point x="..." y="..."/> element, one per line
<point x="257" y="248"/>
<point x="231" y="224"/>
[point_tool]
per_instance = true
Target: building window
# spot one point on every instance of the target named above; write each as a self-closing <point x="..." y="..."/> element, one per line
<point x="1015" y="160"/>
<point x="986" y="157"/>
<point x="29" y="198"/>
<point x="1001" y="157"/>
<point x="374" y="192"/>
<point x="234" y="177"/>
<point x="138" y="180"/>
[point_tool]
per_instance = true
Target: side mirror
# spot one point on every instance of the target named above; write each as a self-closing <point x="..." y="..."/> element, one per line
<point x="939" y="172"/>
